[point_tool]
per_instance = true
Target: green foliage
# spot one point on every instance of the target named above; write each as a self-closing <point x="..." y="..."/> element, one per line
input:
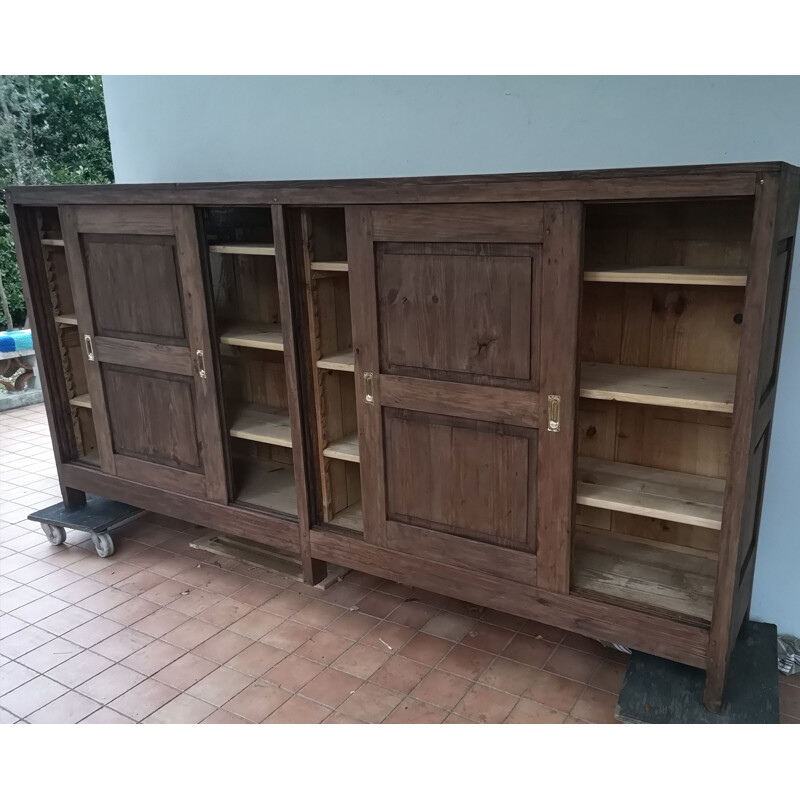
<point x="52" y="130"/>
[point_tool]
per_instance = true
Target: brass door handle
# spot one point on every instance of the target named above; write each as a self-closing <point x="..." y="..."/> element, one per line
<point x="201" y="364"/>
<point x="369" y="396"/>
<point x="554" y="413"/>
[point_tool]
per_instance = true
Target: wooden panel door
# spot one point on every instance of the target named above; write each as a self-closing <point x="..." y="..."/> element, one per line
<point x="465" y="342"/>
<point x="140" y="303"/>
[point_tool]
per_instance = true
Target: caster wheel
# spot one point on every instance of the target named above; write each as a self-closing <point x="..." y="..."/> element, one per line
<point x="55" y="534"/>
<point x="104" y="544"/>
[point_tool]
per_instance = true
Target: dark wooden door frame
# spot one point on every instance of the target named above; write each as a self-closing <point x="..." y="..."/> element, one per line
<point x="556" y="227"/>
<point x="177" y="222"/>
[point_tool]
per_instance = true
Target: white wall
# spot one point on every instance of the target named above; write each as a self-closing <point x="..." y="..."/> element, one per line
<point x="263" y="128"/>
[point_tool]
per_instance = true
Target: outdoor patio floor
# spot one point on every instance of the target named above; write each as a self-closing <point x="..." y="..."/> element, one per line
<point x="161" y="633"/>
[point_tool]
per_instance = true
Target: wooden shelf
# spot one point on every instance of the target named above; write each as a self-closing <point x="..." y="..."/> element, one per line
<point x="261" y="424"/>
<point x="265" y="484"/>
<point x="674" y="496"/>
<point x="344" y="449"/>
<point x="252" y="334"/>
<point x="244" y="248"/>
<point x="330" y="266"/>
<point x="343" y="362"/>
<point x="81" y="401"/>
<point x="67" y="319"/>
<point x="703" y="391"/>
<point x="351" y="517"/>
<point x="92" y="458"/>
<point x="699" y="276"/>
<point x="52" y="242"/>
<point x="644" y="577"/>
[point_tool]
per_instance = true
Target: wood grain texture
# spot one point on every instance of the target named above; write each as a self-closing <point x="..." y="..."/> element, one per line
<point x="644" y="577"/>
<point x="249" y="523"/>
<point x="452" y="314"/>
<point x="492" y="404"/>
<point x="158" y="357"/>
<point x="644" y="491"/>
<point x="468" y="222"/>
<point x="363" y="292"/>
<point x="722" y="180"/>
<point x="560" y="304"/>
<point x="776" y="213"/>
<point x="288" y="290"/>
<point x="689" y="276"/>
<point x="663" y="637"/>
<point x="704" y="391"/>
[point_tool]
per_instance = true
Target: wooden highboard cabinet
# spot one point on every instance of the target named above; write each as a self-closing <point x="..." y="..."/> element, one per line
<point x="549" y="394"/>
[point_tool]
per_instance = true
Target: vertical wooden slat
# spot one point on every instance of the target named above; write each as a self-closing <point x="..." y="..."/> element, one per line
<point x="560" y="313"/>
<point x="83" y="311"/>
<point x="361" y="258"/>
<point x="208" y="413"/>
<point x="724" y="628"/>
<point x="314" y="570"/>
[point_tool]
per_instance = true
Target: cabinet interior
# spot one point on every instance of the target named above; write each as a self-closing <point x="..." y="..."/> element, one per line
<point x="327" y="298"/>
<point x="246" y="304"/>
<point x="69" y="341"/>
<point x="661" y="319"/>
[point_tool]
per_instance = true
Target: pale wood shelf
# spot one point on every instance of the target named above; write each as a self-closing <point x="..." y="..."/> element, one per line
<point x="703" y="391"/>
<point x="252" y="334"/>
<point x="344" y="449"/>
<point x="53" y="242"/>
<point x="330" y="266"/>
<point x="67" y="319"/>
<point x="351" y="517"/>
<point x="645" y="577"/>
<point x="673" y="496"/>
<point x="81" y="401"/>
<point x="265" y="484"/>
<point x="343" y="362"/>
<point x="244" y="248"/>
<point x="258" y="423"/>
<point x="698" y="276"/>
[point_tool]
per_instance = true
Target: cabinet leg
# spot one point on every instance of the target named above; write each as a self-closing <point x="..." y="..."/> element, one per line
<point x="73" y="498"/>
<point x="314" y="571"/>
<point x="715" y="686"/>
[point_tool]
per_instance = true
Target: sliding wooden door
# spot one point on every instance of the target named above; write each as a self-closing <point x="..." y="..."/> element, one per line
<point x="139" y="300"/>
<point x="465" y="342"/>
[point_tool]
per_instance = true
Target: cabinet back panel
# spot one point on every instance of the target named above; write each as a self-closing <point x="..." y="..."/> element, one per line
<point x="465" y="317"/>
<point x="332" y="301"/>
<point x="135" y="288"/>
<point x="701" y="233"/>
<point x="668" y="327"/>
<point x="245" y="287"/>
<point x="327" y="240"/>
<point x="463" y="477"/>
<point x="154" y="417"/>
<point x="255" y="376"/>
<point x="681" y="440"/>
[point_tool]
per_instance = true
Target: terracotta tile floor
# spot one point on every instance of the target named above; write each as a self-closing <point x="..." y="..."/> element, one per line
<point x="163" y="633"/>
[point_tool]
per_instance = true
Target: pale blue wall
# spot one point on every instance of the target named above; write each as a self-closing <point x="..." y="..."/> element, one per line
<point x="251" y="128"/>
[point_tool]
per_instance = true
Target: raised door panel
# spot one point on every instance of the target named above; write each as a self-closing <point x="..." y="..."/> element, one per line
<point x="140" y="305"/>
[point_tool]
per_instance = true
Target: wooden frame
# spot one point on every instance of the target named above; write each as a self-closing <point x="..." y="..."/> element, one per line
<point x="685" y="266"/>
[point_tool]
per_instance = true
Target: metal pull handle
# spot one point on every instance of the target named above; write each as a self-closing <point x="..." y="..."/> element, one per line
<point x="368" y="395"/>
<point x="554" y="413"/>
<point x="201" y="364"/>
<point x="87" y="341"/>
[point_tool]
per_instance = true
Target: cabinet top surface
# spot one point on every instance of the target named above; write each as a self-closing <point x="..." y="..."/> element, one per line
<point x="709" y="180"/>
